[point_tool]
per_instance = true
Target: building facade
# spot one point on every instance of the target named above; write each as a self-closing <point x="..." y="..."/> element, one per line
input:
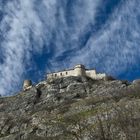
<point x="78" y="70"/>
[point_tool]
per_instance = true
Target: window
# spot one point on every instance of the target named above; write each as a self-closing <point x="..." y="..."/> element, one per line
<point x="61" y="74"/>
<point x="55" y="75"/>
<point x="66" y="72"/>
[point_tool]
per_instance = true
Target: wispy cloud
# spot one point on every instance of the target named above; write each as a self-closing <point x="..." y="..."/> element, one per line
<point x="28" y="26"/>
<point x="18" y="23"/>
<point x="66" y="32"/>
<point x="115" y="48"/>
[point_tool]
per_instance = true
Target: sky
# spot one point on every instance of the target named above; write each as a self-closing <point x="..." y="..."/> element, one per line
<point x="41" y="36"/>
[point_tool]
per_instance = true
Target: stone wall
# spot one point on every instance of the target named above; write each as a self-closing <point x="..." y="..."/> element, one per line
<point x="65" y="73"/>
<point x="79" y="70"/>
<point x="100" y="76"/>
<point x="91" y="73"/>
<point x="27" y="84"/>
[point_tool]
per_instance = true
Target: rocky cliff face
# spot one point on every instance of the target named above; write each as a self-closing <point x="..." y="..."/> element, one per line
<point x="73" y="108"/>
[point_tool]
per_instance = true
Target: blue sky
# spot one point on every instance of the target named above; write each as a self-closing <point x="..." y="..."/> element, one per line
<point x="40" y="36"/>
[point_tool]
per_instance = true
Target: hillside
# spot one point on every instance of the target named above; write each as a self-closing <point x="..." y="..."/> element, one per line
<point x="73" y="108"/>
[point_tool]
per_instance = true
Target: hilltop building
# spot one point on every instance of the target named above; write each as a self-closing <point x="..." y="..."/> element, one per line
<point x="78" y="70"/>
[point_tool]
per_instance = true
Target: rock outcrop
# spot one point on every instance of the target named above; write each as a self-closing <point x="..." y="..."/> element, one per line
<point x="73" y="108"/>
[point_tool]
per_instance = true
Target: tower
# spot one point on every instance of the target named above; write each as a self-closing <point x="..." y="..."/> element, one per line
<point x="27" y="84"/>
<point x="79" y="70"/>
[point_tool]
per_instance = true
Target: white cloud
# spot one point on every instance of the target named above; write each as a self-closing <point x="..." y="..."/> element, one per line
<point x="20" y="18"/>
<point x="114" y="48"/>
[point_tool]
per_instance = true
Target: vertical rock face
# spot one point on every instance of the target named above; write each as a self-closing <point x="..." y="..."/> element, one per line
<point x="72" y="108"/>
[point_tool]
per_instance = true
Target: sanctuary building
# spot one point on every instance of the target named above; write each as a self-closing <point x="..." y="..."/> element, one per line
<point x="78" y="70"/>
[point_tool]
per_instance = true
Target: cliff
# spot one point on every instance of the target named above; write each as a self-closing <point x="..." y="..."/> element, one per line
<point x="73" y="108"/>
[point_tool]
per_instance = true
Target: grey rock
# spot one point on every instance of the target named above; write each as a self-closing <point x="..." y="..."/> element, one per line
<point x="137" y="81"/>
<point x="9" y="137"/>
<point x="14" y="130"/>
<point x="5" y="129"/>
<point x="72" y="108"/>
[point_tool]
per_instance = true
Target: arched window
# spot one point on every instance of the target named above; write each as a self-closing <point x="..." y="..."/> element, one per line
<point x="61" y="74"/>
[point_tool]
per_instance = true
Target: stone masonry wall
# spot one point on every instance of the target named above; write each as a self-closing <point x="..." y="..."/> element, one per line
<point x="77" y="72"/>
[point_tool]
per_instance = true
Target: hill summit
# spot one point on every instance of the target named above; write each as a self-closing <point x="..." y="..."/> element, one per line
<point x="73" y="108"/>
